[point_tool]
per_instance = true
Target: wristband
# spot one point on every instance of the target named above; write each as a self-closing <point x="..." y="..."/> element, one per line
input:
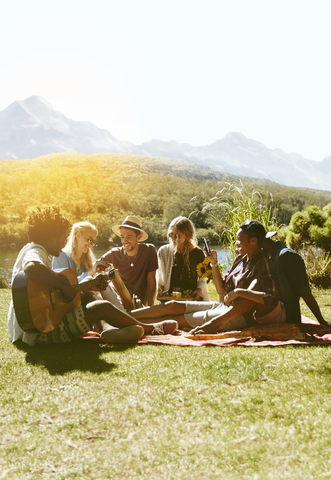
<point x="214" y="265"/>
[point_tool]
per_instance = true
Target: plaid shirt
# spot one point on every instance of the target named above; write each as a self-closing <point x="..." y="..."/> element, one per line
<point x="246" y="271"/>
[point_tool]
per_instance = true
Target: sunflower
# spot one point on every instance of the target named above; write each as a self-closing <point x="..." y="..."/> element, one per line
<point x="204" y="270"/>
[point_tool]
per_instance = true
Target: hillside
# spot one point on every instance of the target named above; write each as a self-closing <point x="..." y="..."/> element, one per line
<point x="104" y="188"/>
<point x="32" y="127"/>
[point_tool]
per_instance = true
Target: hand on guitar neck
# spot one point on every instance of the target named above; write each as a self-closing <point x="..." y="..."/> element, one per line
<point x="102" y="279"/>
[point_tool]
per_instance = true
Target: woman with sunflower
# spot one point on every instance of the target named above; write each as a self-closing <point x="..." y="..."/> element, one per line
<point x="178" y="262"/>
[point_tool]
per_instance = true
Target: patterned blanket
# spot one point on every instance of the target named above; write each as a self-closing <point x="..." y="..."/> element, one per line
<point x="308" y="333"/>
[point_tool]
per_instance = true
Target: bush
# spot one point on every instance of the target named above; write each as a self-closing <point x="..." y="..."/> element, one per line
<point x="209" y="234"/>
<point x="318" y="266"/>
<point x="316" y="216"/>
<point x="320" y="237"/>
<point x="310" y="227"/>
<point x="327" y="209"/>
<point x="300" y="223"/>
<point x="4" y="283"/>
<point x="282" y="234"/>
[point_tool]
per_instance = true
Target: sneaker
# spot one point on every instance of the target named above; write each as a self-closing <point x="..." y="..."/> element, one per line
<point x="164" y="328"/>
<point x="125" y="334"/>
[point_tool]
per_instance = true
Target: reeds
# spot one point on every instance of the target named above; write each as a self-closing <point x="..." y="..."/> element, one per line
<point x="318" y="265"/>
<point x="231" y="206"/>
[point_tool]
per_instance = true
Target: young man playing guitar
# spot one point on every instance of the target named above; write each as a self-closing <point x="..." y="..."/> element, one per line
<point x="47" y="231"/>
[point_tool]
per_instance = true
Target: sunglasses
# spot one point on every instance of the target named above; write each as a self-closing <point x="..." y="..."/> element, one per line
<point x="172" y="235"/>
<point x="91" y="242"/>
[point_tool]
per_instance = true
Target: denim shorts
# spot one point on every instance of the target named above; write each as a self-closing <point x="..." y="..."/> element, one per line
<point x="198" y="313"/>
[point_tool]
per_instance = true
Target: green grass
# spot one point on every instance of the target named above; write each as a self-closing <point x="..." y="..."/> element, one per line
<point x="161" y="412"/>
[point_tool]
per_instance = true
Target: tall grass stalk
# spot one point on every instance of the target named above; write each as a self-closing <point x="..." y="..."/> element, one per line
<point x="231" y="206"/>
<point x="318" y="265"/>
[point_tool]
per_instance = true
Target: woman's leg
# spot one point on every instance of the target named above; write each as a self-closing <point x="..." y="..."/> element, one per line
<point x="158" y="311"/>
<point x="104" y="313"/>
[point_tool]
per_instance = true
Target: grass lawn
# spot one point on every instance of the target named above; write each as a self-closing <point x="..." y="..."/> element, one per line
<point x="161" y="412"/>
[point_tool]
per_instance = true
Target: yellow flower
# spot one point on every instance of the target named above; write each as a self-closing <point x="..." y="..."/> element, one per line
<point x="204" y="270"/>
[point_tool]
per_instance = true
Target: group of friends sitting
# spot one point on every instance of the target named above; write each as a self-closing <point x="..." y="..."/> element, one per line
<point x="263" y="286"/>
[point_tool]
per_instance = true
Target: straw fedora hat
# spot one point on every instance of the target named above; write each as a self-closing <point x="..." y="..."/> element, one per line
<point x="131" y="222"/>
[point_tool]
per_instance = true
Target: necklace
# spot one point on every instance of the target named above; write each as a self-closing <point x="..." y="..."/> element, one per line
<point x="180" y="268"/>
<point x="132" y="259"/>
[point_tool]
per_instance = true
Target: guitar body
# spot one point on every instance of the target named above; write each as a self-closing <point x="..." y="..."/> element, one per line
<point x="38" y="307"/>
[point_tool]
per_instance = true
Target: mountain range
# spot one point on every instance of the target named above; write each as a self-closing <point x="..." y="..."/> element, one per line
<point x="32" y="127"/>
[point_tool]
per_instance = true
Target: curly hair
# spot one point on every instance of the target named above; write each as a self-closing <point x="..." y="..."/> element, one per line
<point x="45" y="223"/>
<point x="186" y="228"/>
<point x="88" y="258"/>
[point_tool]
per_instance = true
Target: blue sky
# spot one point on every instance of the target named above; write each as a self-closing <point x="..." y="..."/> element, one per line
<point x="189" y="71"/>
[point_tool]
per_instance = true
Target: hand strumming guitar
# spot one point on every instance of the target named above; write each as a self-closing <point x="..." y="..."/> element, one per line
<point x="40" y="273"/>
<point x="68" y="291"/>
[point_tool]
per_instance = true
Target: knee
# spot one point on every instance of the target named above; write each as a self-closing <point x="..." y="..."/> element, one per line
<point x="99" y="304"/>
<point x="172" y="306"/>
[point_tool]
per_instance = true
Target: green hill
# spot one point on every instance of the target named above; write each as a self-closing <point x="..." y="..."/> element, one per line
<point x="104" y="188"/>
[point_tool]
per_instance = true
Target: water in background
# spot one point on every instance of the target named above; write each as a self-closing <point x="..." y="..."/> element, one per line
<point x="8" y="258"/>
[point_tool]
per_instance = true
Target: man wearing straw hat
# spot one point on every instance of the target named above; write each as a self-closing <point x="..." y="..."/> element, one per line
<point x="136" y="262"/>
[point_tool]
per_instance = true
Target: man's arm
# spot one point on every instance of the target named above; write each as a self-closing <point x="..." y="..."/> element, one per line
<point x="41" y="274"/>
<point x="217" y="277"/>
<point x="314" y="308"/>
<point x="107" y="257"/>
<point x="151" y="288"/>
<point x="256" y="297"/>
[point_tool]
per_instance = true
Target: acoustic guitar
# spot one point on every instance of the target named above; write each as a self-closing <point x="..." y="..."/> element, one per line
<point x="40" y="308"/>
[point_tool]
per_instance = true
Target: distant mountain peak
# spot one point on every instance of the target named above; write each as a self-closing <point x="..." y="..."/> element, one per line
<point x="37" y="100"/>
<point x="32" y="127"/>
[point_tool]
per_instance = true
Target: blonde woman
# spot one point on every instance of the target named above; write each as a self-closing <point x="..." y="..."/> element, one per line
<point x="179" y="259"/>
<point x="77" y="254"/>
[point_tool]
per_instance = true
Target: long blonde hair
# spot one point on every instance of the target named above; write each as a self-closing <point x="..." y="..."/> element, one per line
<point x="186" y="228"/>
<point x="88" y="258"/>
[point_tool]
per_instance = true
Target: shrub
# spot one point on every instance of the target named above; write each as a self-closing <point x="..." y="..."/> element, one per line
<point x="318" y="266"/>
<point x="327" y="209"/>
<point x="310" y="227"/>
<point x="282" y="234"/>
<point x="320" y="237"/>
<point x="293" y="240"/>
<point x="209" y="234"/>
<point x="316" y="216"/>
<point x="300" y="223"/>
<point x="4" y="283"/>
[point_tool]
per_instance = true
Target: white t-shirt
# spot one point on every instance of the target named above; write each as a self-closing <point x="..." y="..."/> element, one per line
<point x="32" y="252"/>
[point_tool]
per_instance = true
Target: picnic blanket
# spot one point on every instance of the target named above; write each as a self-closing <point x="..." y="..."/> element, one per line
<point x="308" y="333"/>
